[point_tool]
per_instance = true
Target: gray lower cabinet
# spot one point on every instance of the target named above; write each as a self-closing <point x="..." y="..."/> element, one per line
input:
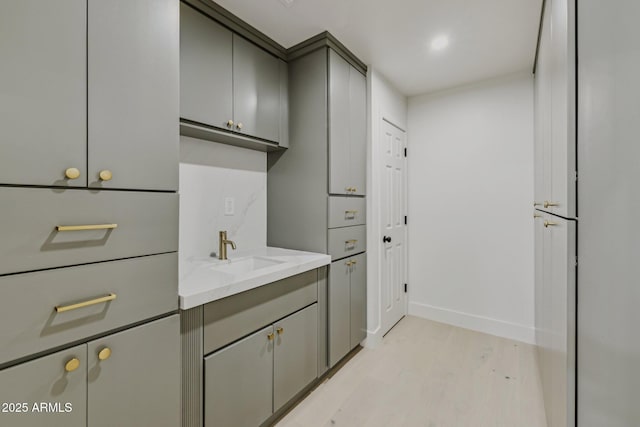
<point x="138" y="384"/>
<point x="43" y="91"/>
<point x="229" y="83"/>
<point x="347" y="306"/>
<point x="130" y="378"/>
<point x="46" y="381"/>
<point x="249" y="380"/>
<point x="239" y="382"/>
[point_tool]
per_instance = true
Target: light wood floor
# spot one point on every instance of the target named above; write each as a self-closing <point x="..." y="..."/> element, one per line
<point x="432" y="375"/>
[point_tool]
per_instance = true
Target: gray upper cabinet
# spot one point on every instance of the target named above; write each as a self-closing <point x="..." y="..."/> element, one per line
<point x="89" y="91"/>
<point x="60" y="378"/>
<point x="229" y="83"/>
<point x="43" y="87"/>
<point x="206" y="69"/>
<point x="133" y="100"/>
<point x="347" y="127"/>
<point x="134" y="377"/>
<point x="256" y="90"/>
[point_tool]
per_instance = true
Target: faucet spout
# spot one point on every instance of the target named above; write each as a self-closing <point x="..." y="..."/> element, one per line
<point x="222" y="245"/>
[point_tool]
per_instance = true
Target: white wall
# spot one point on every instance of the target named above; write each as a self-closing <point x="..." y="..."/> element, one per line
<point x="388" y="103"/>
<point x="470" y="207"/>
<point x="210" y="172"/>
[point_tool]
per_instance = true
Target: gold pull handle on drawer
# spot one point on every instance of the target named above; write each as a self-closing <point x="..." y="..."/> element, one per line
<point x="348" y="263"/>
<point x="280" y="330"/>
<point x="86" y="227"/>
<point x="104" y="354"/>
<point x="549" y="223"/>
<point x="347" y="213"/>
<point x="550" y="204"/>
<point x="351" y="242"/>
<point x="270" y="336"/>
<point x="63" y="308"/>
<point x="72" y="365"/>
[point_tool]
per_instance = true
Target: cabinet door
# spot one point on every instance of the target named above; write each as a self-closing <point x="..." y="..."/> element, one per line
<point x="43" y="89"/>
<point x="339" y="311"/>
<point x="133" y="102"/>
<point x="295" y="362"/>
<point x="45" y="381"/>
<point x="358" y="291"/>
<point x="339" y="116"/>
<point x="238" y="382"/>
<point x="542" y="116"/>
<point x="256" y="91"/>
<point x="137" y="381"/>
<point x="357" y="130"/>
<point x="206" y="69"/>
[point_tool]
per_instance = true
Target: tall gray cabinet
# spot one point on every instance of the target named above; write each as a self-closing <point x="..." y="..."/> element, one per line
<point x="88" y="278"/>
<point x="555" y="214"/>
<point x="316" y="187"/>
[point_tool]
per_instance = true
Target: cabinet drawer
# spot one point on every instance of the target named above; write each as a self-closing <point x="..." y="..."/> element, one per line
<point x="147" y="223"/>
<point x="144" y="287"/>
<point x="347" y="241"/>
<point x="231" y="318"/>
<point x="346" y="211"/>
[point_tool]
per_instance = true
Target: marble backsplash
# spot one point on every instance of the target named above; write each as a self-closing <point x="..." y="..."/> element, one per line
<point x="211" y="173"/>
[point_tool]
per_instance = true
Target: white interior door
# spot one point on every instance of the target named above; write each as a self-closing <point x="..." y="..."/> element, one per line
<point x="393" y="208"/>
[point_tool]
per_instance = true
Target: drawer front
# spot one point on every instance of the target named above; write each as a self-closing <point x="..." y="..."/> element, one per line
<point x="347" y="241"/>
<point x="231" y="318"/>
<point x="346" y="211"/>
<point x="144" y="287"/>
<point x="147" y="223"/>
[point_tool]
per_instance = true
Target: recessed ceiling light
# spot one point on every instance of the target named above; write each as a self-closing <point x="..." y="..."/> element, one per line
<point x="287" y="3"/>
<point x="439" y="43"/>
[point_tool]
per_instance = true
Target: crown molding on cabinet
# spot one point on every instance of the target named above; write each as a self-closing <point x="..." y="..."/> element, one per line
<point x="326" y="39"/>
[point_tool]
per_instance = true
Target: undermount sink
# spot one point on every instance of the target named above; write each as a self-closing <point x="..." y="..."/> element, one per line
<point x="245" y="265"/>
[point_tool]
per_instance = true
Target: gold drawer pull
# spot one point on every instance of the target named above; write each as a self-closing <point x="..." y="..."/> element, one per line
<point x="86" y="227"/>
<point x="104" y="354"/>
<point x="63" y="308"/>
<point x="348" y="263"/>
<point x="270" y="336"/>
<point x="280" y="330"/>
<point x="350" y="242"/>
<point x="72" y="365"/>
<point x="550" y="223"/>
<point x="550" y="204"/>
<point x="350" y="212"/>
<point x="537" y="215"/>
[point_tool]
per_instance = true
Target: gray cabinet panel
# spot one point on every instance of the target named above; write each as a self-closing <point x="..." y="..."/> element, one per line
<point x="283" y="140"/>
<point x="230" y="318"/>
<point x="45" y="380"/>
<point x="339" y="311"/>
<point x="346" y="211"/>
<point x="239" y="382"/>
<point x="147" y="224"/>
<point x="347" y="241"/>
<point x="358" y="299"/>
<point x="339" y="127"/>
<point x="139" y="384"/>
<point x="133" y="101"/>
<point x="144" y="287"/>
<point x="295" y="362"/>
<point x="357" y="130"/>
<point x="206" y="69"/>
<point x="43" y="88"/>
<point x="256" y="91"/>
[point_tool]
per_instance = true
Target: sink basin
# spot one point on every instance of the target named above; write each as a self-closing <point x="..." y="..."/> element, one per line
<point x="245" y="265"/>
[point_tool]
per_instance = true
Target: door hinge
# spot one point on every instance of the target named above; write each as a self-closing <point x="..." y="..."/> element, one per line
<point x="405" y="220"/>
<point x="405" y="288"/>
<point x="405" y="152"/>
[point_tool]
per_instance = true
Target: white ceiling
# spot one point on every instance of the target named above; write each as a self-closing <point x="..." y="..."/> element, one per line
<point x="488" y="38"/>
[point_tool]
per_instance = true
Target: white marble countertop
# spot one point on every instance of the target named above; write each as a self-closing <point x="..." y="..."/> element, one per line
<point x="207" y="279"/>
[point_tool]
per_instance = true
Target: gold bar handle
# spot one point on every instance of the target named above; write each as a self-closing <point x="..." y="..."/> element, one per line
<point x="537" y="216"/>
<point x="86" y="227"/>
<point x="63" y="308"/>
<point x="351" y="242"/>
<point x="550" y="223"/>
<point x="548" y="204"/>
<point x="350" y="212"/>
<point x="348" y="263"/>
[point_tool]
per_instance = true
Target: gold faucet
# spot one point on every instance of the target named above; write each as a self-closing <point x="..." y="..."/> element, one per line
<point x="222" y="248"/>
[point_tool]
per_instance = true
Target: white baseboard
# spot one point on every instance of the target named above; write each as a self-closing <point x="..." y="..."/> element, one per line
<point x="373" y="339"/>
<point x="483" y="324"/>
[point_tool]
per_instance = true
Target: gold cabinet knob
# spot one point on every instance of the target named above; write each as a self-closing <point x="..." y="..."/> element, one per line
<point x="280" y="330"/>
<point x="72" y="365"/>
<point x="72" y="173"/>
<point x="550" y="204"/>
<point x="550" y="223"/>
<point x="230" y="123"/>
<point x="239" y="126"/>
<point x="354" y="189"/>
<point x="348" y="263"/>
<point x="104" y="354"/>
<point x="105" y="175"/>
<point x="270" y="336"/>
